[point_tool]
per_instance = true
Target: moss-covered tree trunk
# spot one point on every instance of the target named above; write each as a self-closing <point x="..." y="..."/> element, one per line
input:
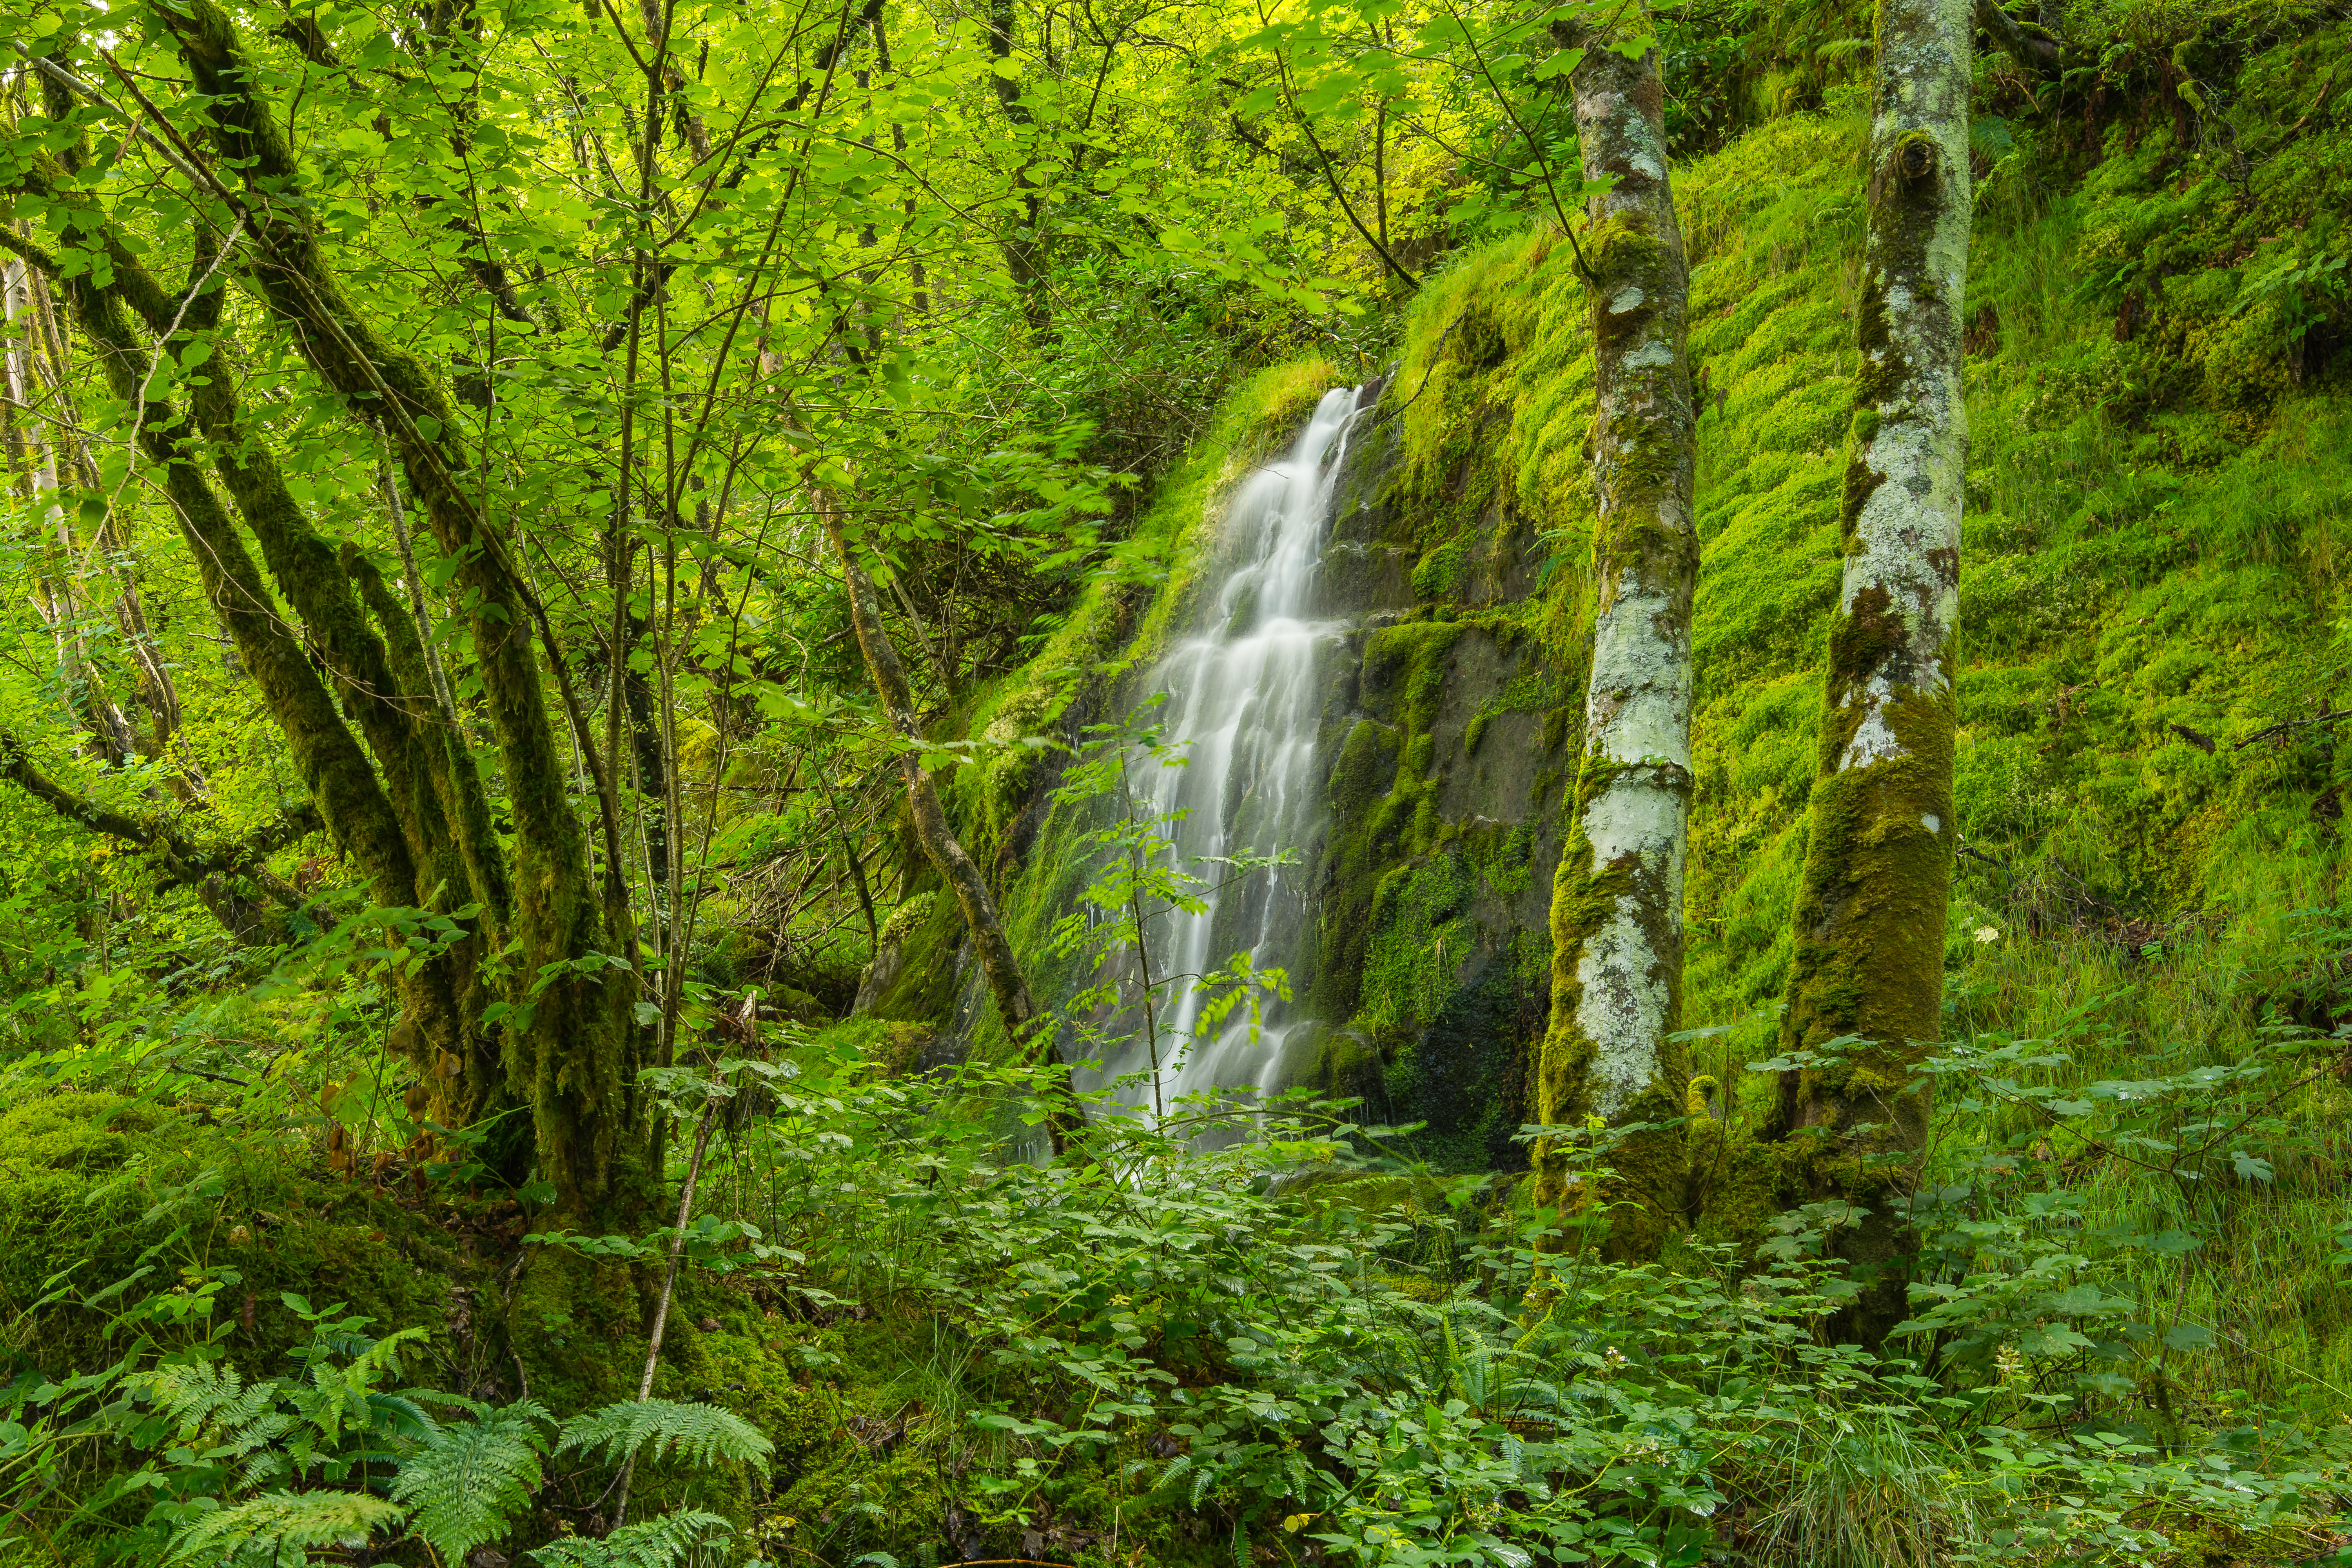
<point x="1616" y="914"/>
<point x="421" y="828"/>
<point x="573" y="1054"/>
<point x="1869" y="916"/>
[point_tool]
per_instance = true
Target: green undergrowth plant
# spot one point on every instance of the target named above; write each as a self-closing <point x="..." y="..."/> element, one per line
<point x="1293" y="1346"/>
<point x="332" y="1454"/>
<point x="1259" y="1333"/>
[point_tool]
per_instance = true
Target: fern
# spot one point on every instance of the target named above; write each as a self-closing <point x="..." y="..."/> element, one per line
<point x="699" y="1432"/>
<point x="197" y="1394"/>
<point x="654" y="1543"/>
<point x="466" y="1479"/>
<point x="280" y="1530"/>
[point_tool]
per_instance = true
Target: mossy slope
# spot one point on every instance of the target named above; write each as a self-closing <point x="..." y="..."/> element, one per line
<point x="2156" y="544"/>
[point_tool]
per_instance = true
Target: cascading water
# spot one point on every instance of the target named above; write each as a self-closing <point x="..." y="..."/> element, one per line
<point x="1241" y="708"/>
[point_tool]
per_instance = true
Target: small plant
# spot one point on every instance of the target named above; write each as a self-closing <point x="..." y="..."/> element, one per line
<point x="330" y="1455"/>
<point x="1139" y="881"/>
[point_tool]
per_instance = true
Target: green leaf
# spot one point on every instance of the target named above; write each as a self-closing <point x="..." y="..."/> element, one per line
<point x="1564" y="63"/>
<point x="282" y="1529"/>
<point x="468" y="1480"/>
<point x="654" y="1544"/>
<point x="702" y="1433"/>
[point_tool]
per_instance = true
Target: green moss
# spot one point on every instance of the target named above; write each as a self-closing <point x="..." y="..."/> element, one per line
<point x="1404" y="671"/>
<point x="923" y="989"/>
<point x="1439" y="571"/>
<point x="90" y="1182"/>
<point x="1366" y="768"/>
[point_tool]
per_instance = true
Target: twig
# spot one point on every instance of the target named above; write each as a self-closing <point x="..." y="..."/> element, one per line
<point x="162" y="346"/>
<point x="1503" y="101"/>
<point x="417" y="608"/>
<point x="2318" y="103"/>
<point x="207" y="1076"/>
<point x="1425" y="374"/>
<point x="2286" y="725"/>
<point x="669" y="1285"/>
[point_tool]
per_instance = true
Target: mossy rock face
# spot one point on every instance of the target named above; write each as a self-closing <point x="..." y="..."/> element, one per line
<point x="1434" y="880"/>
<point x="914" y="976"/>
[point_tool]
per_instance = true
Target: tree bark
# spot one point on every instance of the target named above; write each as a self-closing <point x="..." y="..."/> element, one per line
<point x="998" y="962"/>
<point x="1870" y="910"/>
<point x="1617" y="896"/>
<point x="576" y="1057"/>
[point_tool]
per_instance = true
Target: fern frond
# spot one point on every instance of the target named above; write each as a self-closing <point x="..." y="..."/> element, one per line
<point x="466" y="1479"/>
<point x="699" y="1432"/>
<point x="399" y="1415"/>
<point x="384" y="1354"/>
<point x="654" y="1543"/>
<point x="279" y="1529"/>
<point x="200" y="1394"/>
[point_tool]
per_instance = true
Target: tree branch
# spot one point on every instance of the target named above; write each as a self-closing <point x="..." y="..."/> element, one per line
<point x="184" y="858"/>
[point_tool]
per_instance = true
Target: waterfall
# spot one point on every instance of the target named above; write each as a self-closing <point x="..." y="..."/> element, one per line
<point x="1241" y="702"/>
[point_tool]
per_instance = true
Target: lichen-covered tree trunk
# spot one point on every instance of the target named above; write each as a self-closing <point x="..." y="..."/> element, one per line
<point x="1616" y="914"/>
<point x="1869" y="915"/>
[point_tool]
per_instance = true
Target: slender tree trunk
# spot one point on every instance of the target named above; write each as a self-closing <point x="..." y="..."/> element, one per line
<point x="156" y="688"/>
<point x="1024" y="249"/>
<point x="34" y="450"/>
<point x="998" y="962"/>
<point x="1616" y="915"/>
<point x="1869" y="916"/>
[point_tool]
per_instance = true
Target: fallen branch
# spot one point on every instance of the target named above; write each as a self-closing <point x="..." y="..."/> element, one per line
<point x="2285" y="726"/>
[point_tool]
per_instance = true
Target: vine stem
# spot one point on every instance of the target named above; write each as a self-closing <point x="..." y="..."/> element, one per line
<point x="669" y="1285"/>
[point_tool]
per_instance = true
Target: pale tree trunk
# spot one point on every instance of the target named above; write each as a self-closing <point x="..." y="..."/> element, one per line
<point x="1024" y="1025"/>
<point x="1869" y="915"/>
<point x="1616" y="914"/>
<point x="54" y="598"/>
<point x="156" y="688"/>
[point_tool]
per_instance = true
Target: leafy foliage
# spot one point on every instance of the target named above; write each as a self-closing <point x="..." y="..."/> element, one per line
<point x="702" y="1434"/>
<point x="282" y="1529"/>
<point x="654" y="1543"/>
<point x="464" y="1482"/>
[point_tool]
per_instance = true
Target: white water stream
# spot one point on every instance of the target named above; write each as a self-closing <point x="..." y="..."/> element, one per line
<point x="1243" y="702"/>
